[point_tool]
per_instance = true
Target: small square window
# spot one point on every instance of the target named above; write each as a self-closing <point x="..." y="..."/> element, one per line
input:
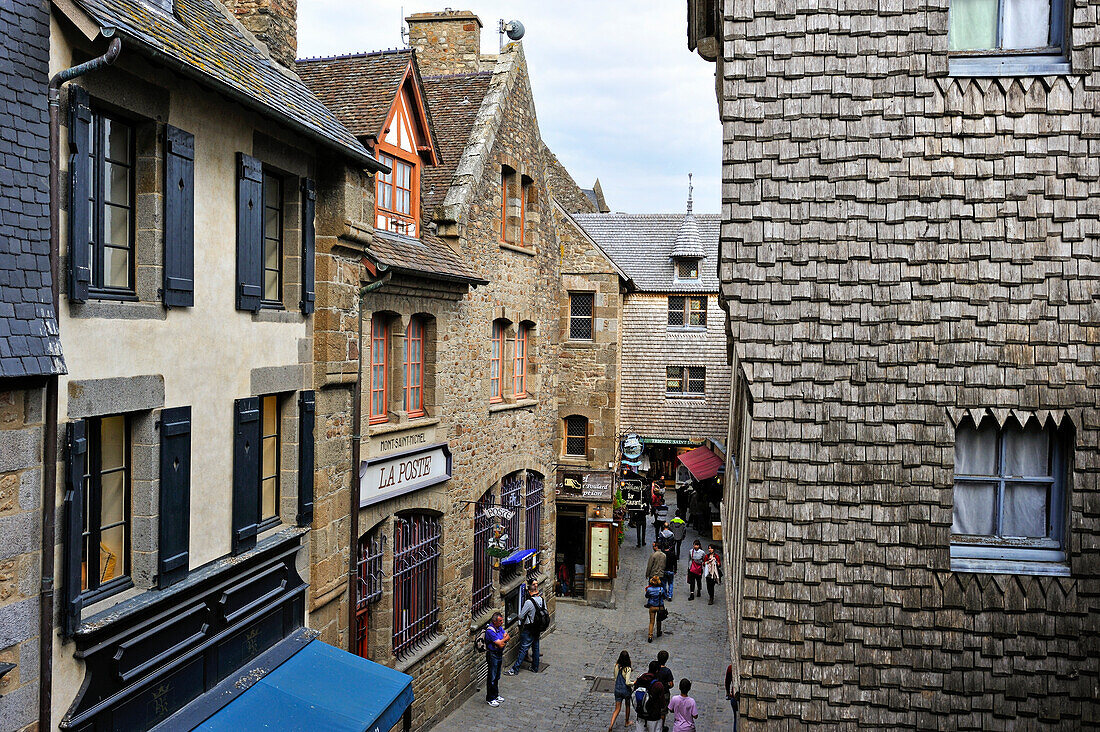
<point x="687" y="269"/>
<point x="581" y="307"/>
<point x="988" y="37"/>
<point x="576" y="435"/>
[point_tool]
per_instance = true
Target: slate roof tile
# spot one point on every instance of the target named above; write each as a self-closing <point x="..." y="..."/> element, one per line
<point x="359" y="88"/>
<point x="453" y="101"/>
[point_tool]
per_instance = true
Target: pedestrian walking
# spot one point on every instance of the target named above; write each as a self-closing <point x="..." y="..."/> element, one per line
<point x="622" y="690"/>
<point x="683" y="708"/>
<point x="533" y="620"/>
<point x="639" y="517"/>
<point x="734" y="697"/>
<point x="656" y="563"/>
<point x="655" y="601"/>
<point x="496" y="637"/>
<point x="679" y="530"/>
<point x="664" y="675"/>
<point x="650" y="700"/>
<point x="695" y="571"/>
<point x="712" y="570"/>
<point x="670" y="572"/>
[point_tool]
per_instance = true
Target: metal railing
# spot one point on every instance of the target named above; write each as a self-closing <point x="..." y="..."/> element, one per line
<point x="369" y="569"/>
<point x="415" y="582"/>
<point x="533" y="512"/>
<point x="511" y="496"/>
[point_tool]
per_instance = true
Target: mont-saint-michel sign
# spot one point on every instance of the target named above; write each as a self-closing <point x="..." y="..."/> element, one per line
<point x="385" y="477"/>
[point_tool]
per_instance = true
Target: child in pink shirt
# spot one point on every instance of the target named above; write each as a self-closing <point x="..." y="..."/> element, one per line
<point x="683" y="707"/>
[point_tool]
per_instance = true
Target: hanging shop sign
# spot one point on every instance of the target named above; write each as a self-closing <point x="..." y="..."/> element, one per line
<point x="585" y="486"/>
<point x="668" y="441"/>
<point x="631" y="491"/>
<point x="382" y="478"/>
<point x="632" y="449"/>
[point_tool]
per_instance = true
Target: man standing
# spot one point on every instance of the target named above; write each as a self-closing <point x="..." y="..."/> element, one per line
<point x="649" y="716"/>
<point x="496" y="637"/>
<point x="656" y="565"/>
<point x="531" y="619"/>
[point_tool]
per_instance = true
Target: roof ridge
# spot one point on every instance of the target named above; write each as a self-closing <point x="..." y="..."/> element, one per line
<point x="434" y="77"/>
<point x="354" y="55"/>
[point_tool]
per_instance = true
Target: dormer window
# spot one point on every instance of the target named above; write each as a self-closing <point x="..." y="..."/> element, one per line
<point x="687" y="269"/>
<point x="396" y="193"/>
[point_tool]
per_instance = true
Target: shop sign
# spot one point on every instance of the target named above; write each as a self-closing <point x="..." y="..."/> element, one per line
<point x="632" y="494"/>
<point x="586" y="486"/>
<point x="668" y="441"/>
<point x="499" y="544"/>
<point x="385" y="477"/>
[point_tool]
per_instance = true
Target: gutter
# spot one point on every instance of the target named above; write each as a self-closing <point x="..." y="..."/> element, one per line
<point x="50" y="436"/>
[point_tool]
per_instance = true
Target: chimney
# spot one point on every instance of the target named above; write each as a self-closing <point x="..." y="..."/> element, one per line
<point x="273" y="22"/>
<point x="447" y="42"/>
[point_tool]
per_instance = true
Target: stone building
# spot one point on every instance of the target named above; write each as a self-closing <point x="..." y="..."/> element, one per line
<point x="909" y="241"/>
<point x="674" y="390"/>
<point x="30" y="353"/>
<point x="459" y="384"/>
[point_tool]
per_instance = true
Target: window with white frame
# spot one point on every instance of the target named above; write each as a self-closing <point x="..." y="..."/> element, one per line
<point x="1009" y="492"/>
<point x="685" y="381"/>
<point x="1016" y="31"/>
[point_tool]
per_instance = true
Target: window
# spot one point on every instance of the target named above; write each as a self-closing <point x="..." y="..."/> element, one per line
<point x="685" y="380"/>
<point x="1009" y="492"/>
<point x="581" y="307"/>
<point x="105" y="550"/>
<point x="379" y="367"/>
<point x="269" y="460"/>
<point x="414" y="368"/>
<point x="273" y="240"/>
<point x="111" y="205"/>
<point x="524" y="200"/>
<point x="506" y="175"/>
<point x="519" y="362"/>
<point x="511" y="497"/>
<point x="690" y="312"/>
<point x="496" y="363"/>
<point x="415" y="581"/>
<point x="576" y="435"/>
<point x="533" y="514"/>
<point x="990" y="36"/>
<point x="395" y="196"/>
<point x="369" y="575"/>
<point x="483" y="563"/>
<point x="687" y="269"/>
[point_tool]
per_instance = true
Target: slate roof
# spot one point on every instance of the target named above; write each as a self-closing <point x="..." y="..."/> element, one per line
<point x="429" y="256"/>
<point x="358" y="88"/>
<point x="202" y="40"/>
<point x="454" y="101"/>
<point x="642" y="244"/>
<point x="29" y="345"/>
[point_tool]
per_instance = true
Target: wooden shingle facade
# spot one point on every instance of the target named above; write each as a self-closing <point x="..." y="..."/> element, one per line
<point x="908" y="260"/>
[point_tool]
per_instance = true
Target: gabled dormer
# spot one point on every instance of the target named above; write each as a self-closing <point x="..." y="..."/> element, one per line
<point x="688" y="251"/>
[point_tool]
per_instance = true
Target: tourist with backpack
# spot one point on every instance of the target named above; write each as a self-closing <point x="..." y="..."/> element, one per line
<point x="650" y="700"/>
<point x="534" y="618"/>
<point x="622" y="690"/>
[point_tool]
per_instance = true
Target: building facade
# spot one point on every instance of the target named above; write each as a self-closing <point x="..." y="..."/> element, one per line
<point x="909" y="231"/>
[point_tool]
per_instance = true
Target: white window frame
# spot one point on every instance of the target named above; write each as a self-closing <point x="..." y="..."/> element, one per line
<point x="1052" y="60"/>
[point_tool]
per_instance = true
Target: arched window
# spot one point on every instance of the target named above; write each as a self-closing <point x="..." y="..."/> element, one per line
<point x="369" y="575"/>
<point x="519" y="362"/>
<point x="416" y="542"/>
<point x="379" y="367"/>
<point x="533" y="510"/>
<point x="414" y="368"/>
<point x="483" y="563"/>
<point x="576" y="435"/>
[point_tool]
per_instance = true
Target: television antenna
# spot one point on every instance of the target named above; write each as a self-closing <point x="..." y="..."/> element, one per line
<point x="512" y="28"/>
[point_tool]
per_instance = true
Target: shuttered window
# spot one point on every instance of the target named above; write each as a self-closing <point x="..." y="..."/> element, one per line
<point x="179" y="218"/>
<point x="270" y="460"/>
<point x="246" y="473"/>
<point x="105" y="535"/>
<point x="309" y="247"/>
<point x="250" y="233"/>
<point x="273" y="240"/>
<point x="175" y="495"/>
<point x="307" y="418"/>
<point x="73" y="529"/>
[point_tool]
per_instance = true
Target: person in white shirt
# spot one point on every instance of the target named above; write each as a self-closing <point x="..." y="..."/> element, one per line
<point x="529" y="631"/>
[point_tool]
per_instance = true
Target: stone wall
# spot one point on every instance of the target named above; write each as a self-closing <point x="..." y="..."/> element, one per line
<point x="446" y="42"/>
<point x="564" y="189"/>
<point x="273" y="22"/>
<point x="900" y="245"/>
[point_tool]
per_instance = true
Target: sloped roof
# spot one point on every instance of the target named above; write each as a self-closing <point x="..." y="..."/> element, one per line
<point x="428" y="255"/>
<point x="202" y="41"/>
<point x="454" y="101"/>
<point x="642" y="244"/>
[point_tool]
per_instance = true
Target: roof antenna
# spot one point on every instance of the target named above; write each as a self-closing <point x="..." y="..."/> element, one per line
<point x="689" y="193"/>
<point x="513" y="29"/>
<point x="404" y="29"/>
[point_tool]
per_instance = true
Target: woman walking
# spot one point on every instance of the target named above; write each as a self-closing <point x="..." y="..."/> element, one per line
<point x="622" y="689"/>
<point x="695" y="571"/>
<point x="655" y="601"/>
<point x="711" y="571"/>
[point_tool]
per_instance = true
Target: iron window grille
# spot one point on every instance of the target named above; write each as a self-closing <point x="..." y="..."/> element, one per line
<point x="686" y="311"/>
<point x="273" y="240"/>
<point x="511" y="497"/>
<point x="685" y="380"/>
<point x="111" y="205"/>
<point x="533" y="514"/>
<point x="369" y="572"/>
<point x="105" y="540"/>
<point x="581" y="307"/>
<point x="576" y="435"/>
<point x="415" y="582"/>
<point x="483" y="563"/>
<point x="687" y="269"/>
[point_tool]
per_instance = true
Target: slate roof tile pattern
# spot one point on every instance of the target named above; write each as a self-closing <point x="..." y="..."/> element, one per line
<point x="454" y="101"/>
<point x="212" y="47"/>
<point x="29" y="344"/>
<point x="427" y="255"/>
<point x="642" y="244"/>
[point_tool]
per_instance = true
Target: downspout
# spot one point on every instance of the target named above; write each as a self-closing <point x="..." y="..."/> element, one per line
<point x="50" y="437"/>
<point x="356" y="439"/>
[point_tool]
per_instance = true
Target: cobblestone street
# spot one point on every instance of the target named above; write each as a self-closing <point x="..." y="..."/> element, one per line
<point x="584" y="645"/>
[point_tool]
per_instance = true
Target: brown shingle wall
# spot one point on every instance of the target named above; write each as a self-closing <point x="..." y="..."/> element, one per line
<point x="897" y="242"/>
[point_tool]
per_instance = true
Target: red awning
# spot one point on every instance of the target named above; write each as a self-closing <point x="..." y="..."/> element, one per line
<point x="702" y="463"/>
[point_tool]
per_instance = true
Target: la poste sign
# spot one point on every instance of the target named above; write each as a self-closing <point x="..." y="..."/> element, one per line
<point x="382" y="478"/>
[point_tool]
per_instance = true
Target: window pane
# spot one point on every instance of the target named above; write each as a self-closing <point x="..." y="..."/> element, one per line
<point x="267" y="500"/>
<point x="271" y="191"/>
<point x="271" y="285"/>
<point x="113" y="498"/>
<point x="674" y="379"/>
<point x="1025" y="510"/>
<point x="117" y="184"/>
<point x="377" y="402"/>
<point x="117" y="135"/>
<point x="112" y="442"/>
<point x="117" y="226"/>
<point x="271" y="223"/>
<point x="1027" y="451"/>
<point x="112" y="548"/>
<point x="976" y="451"/>
<point x="973" y="25"/>
<point x="1026" y="24"/>
<point x="975" y="504"/>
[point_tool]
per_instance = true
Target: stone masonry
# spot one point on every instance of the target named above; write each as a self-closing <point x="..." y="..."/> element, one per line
<point x="273" y="22"/>
<point x="447" y="42"/>
<point x="902" y="248"/>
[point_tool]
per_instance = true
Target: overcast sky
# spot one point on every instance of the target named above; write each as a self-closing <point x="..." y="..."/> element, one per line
<point x="618" y="94"/>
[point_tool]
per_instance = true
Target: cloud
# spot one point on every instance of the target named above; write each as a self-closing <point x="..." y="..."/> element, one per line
<point x="617" y="92"/>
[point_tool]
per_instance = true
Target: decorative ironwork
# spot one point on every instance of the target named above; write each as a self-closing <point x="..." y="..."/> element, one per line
<point x="511" y="497"/>
<point x="483" y="564"/>
<point x="370" y="572"/>
<point x="533" y="513"/>
<point x="415" y="582"/>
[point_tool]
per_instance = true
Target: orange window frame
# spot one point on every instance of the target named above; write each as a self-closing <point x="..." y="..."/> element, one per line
<point x="496" y="365"/>
<point x="504" y="204"/>
<point x="519" y="363"/>
<point x="522" y="212"/>
<point x="414" y="368"/>
<point x="379" y="370"/>
<point x="391" y="156"/>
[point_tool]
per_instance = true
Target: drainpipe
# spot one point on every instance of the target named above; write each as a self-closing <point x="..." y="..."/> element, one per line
<point x="49" y="437"/>
<point x="356" y="439"/>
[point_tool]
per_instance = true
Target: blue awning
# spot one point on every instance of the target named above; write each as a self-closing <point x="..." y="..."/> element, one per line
<point x="517" y="556"/>
<point x="319" y="688"/>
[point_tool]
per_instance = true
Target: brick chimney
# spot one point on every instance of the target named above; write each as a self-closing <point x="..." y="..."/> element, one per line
<point x="274" y="22"/>
<point x="447" y="42"/>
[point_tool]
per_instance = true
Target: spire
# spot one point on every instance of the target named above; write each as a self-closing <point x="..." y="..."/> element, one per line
<point x="688" y="243"/>
<point x="689" y="194"/>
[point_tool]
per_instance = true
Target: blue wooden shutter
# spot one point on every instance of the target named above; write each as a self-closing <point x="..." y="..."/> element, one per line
<point x="246" y="473"/>
<point x="309" y="248"/>
<point x="80" y="180"/>
<point x="175" y="495"/>
<point x="179" y="218"/>
<point x="307" y="408"/>
<point x="250" y="232"/>
<point x="73" y="530"/>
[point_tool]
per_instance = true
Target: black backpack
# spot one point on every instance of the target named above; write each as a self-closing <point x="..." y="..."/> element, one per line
<point x="541" y="620"/>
